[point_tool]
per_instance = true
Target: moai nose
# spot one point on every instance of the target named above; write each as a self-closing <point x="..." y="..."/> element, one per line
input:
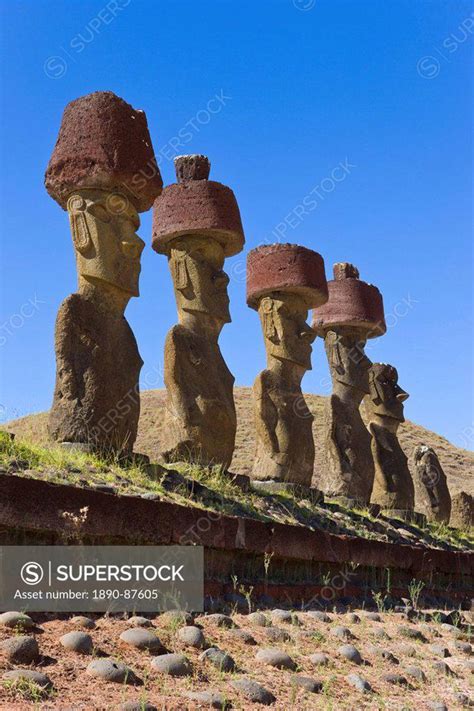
<point x="402" y="395"/>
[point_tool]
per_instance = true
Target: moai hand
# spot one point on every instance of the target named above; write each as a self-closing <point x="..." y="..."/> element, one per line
<point x="352" y="314"/>
<point x="283" y="282"/>
<point x="96" y="172"/>
<point x="432" y="497"/>
<point x="393" y="486"/>
<point x="197" y="224"/>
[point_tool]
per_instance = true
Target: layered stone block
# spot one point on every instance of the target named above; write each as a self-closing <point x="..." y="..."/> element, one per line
<point x="283" y="282"/>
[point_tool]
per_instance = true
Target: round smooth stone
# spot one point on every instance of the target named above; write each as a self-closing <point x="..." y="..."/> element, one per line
<point x="16" y="619"/>
<point x="172" y="664"/>
<point x="209" y="699"/>
<point x="219" y="659"/>
<point x="142" y="639"/>
<point x="111" y="670"/>
<point x="82" y="621"/>
<point x="275" y="658"/>
<point x="192" y="637"/>
<point x="254" y="692"/>
<point x="20" y="650"/>
<point x="29" y="675"/>
<point x="359" y="683"/>
<point x="138" y="621"/>
<point x="79" y="642"/>
<point x="351" y="653"/>
<point x="258" y="619"/>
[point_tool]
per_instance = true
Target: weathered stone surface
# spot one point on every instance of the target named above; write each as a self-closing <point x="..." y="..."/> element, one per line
<point x="30" y="675"/>
<point x="253" y="691"/>
<point x="79" y="642"/>
<point x="353" y="313"/>
<point x="393" y="484"/>
<point x="352" y="618"/>
<point x="283" y="616"/>
<point x="20" y="650"/>
<point x="96" y="399"/>
<point x="16" y="619"/>
<point x="258" y="619"/>
<point x="306" y="683"/>
<point x="319" y="616"/>
<point x="432" y="497"/>
<point x="138" y="621"/>
<point x="358" y="682"/>
<point x="137" y="706"/>
<point x="242" y="636"/>
<point x="197" y="224"/>
<point x="342" y="632"/>
<point x="412" y="633"/>
<point x="276" y="634"/>
<point x="178" y="618"/>
<point x="349" y="652"/>
<point x="415" y="672"/>
<point x="439" y="650"/>
<point x="111" y="670"/>
<point x="219" y="659"/>
<point x="142" y="639"/>
<point x="82" y="621"/>
<point x="191" y="637"/>
<point x="172" y="664"/>
<point x="283" y="281"/>
<point x="220" y="620"/>
<point x="275" y="658"/>
<point x="443" y="668"/>
<point x="319" y="659"/>
<point x="462" y="511"/>
<point x="192" y="167"/>
<point x="104" y="143"/>
<point x="395" y="679"/>
<point x="208" y="699"/>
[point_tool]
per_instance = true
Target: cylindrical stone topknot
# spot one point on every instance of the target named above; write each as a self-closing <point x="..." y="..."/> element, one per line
<point x="104" y="143"/>
<point x="352" y="304"/>
<point x="192" y="167"/>
<point x="345" y="270"/>
<point x="197" y="206"/>
<point x="286" y="268"/>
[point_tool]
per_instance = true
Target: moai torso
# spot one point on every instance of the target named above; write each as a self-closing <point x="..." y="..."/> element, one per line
<point x="196" y="223"/>
<point x="432" y="496"/>
<point x="102" y="146"/>
<point x="96" y="398"/>
<point x="200" y="420"/>
<point x="393" y="485"/>
<point x="283" y="282"/>
<point x="353" y="313"/>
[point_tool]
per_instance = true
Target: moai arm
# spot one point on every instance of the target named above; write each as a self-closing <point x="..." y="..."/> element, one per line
<point x="266" y="416"/>
<point x="178" y="364"/>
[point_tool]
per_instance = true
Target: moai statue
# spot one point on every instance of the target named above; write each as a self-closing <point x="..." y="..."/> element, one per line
<point x="97" y="173"/>
<point x="353" y="313"/>
<point x="462" y="511"/>
<point x="196" y="224"/>
<point x="393" y="486"/>
<point x="432" y="497"/>
<point x="283" y="282"/>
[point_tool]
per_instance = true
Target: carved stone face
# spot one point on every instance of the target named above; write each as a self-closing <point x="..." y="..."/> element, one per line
<point x="200" y="282"/>
<point x="347" y="359"/>
<point x="287" y="335"/>
<point x="103" y="227"/>
<point x="386" y="395"/>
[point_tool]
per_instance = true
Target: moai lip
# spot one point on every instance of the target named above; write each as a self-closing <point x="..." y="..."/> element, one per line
<point x="196" y="223"/>
<point x="351" y="303"/>
<point x="393" y="485"/>
<point x="196" y="205"/>
<point x="283" y="282"/>
<point x="432" y="495"/>
<point x="104" y="143"/>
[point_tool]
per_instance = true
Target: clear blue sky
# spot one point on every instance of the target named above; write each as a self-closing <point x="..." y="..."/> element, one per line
<point x="383" y="87"/>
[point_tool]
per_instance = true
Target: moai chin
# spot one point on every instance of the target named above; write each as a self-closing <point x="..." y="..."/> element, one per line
<point x="432" y="497"/>
<point x="97" y="173"/>
<point x="196" y="224"/>
<point x="353" y="313"/>
<point x="393" y="486"/>
<point x="284" y="281"/>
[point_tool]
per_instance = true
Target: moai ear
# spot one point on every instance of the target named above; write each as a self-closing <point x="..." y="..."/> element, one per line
<point x="376" y="390"/>
<point x="269" y="327"/>
<point x="81" y="236"/>
<point x="180" y="273"/>
<point x="336" y="362"/>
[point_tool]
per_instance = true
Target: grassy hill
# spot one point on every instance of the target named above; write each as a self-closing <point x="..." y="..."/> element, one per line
<point x="458" y="464"/>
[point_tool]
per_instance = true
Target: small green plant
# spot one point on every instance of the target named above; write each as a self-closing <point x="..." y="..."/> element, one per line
<point x="414" y="591"/>
<point x="247" y="593"/>
<point x="380" y="600"/>
<point x="27" y="689"/>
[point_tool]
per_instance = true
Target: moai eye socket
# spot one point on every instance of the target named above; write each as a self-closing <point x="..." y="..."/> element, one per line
<point x="99" y="211"/>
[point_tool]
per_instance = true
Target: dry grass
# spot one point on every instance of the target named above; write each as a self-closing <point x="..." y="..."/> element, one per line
<point x="458" y="464"/>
